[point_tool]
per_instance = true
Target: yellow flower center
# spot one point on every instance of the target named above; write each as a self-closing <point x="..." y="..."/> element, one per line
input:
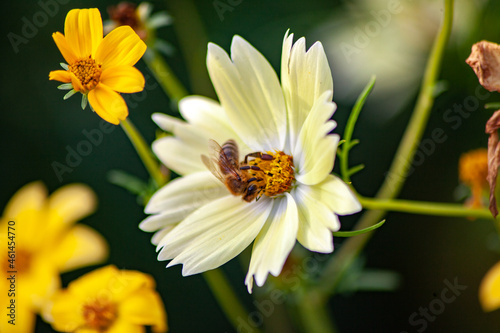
<point x="88" y="73"/>
<point x="20" y="263"/>
<point x="274" y="172"/>
<point x="99" y="315"/>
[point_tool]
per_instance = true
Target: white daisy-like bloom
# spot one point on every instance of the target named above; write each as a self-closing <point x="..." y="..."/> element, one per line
<point x="198" y="222"/>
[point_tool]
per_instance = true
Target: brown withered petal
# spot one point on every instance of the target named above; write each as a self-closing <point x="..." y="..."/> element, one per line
<point x="492" y="127"/>
<point x="485" y="61"/>
<point x="125" y="13"/>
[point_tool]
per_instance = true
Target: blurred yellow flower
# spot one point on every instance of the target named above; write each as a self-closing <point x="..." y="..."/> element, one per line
<point x="472" y="171"/>
<point x="41" y="241"/>
<point x="489" y="289"/>
<point x="108" y="300"/>
<point x="99" y="67"/>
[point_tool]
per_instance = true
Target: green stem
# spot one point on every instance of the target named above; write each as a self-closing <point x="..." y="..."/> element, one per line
<point x="227" y="299"/>
<point x="193" y="42"/>
<point x="164" y="75"/>
<point x="425" y="208"/>
<point x="393" y="183"/>
<point x="144" y="152"/>
<point x="313" y="314"/>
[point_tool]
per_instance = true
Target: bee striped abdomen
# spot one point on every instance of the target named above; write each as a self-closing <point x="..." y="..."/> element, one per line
<point x="230" y="150"/>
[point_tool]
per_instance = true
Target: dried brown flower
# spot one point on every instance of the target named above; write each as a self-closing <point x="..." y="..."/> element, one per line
<point x="485" y="61"/>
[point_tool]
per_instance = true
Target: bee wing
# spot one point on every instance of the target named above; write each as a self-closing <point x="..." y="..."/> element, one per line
<point x="217" y="162"/>
<point x="213" y="166"/>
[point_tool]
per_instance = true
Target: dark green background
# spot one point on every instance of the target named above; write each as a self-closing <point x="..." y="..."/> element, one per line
<point x="37" y="126"/>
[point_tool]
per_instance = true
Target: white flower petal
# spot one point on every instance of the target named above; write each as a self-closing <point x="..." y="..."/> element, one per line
<point x="166" y="122"/>
<point x="206" y="115"/>
<point x="249" y="90"/>
<point x="192" y="136"/>
<point x="314" y="153"/>
<point x="316" y="220"/>
<point x="186" y="193"/>
<point x="158" y="221"/>
<point x="159" y="235"/>
<point x="305" y="76"/>
<point x="334" y="193"/>
<point x="214" y="234"/>
<point x="179" y="156"/>
<point x="274" y="243"/>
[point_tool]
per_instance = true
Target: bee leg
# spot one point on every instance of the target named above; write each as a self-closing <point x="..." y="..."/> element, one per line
<point x="256" y="154"/>
<point x="266" y="157"/>
<point x="254" y="179"/>
<point x="247" y="167"/>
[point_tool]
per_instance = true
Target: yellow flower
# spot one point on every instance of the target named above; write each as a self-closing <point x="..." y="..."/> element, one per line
<point x="40" y="241"/>
<point x="489" y="289"/>
<point x="109" y="300"/>
<point x="99" y="67"/>
<point x="473" y="172"/>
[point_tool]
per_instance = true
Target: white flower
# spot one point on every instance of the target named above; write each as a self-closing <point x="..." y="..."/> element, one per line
<point x="198" y="222"/>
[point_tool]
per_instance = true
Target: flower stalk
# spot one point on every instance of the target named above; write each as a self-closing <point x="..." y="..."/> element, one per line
<point x="397" y="174"/>
<point x="142" y="149"/>
<point x="425" y="208"/>
<point x="313" y="314"/>
<point x="164" y="75"/>
<point x="226" y="297"/>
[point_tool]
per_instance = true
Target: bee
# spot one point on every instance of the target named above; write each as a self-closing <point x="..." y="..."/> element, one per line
<point x="224" y="164"/>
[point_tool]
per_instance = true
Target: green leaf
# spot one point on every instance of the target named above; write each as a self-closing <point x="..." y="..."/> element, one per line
<point x="351" y="122"/>
<point x="355" y="169"/>
<point x="439" y="88"/>
<point x="353" y="143"/>
<point x="357" y="232"/>
<point x="127" y="181"/>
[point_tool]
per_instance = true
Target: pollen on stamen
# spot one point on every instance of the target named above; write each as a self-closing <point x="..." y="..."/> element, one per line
<point x="88" y="72"/>
<point x="277" y="173"/>
<point x="99" y="315"/>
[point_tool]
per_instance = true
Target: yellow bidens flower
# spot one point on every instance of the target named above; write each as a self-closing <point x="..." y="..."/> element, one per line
<point x="108" y="300"/>
<point x="489" y="289"/>
<point x="42" y="241"/>
<point x="473" y="172"/>
<point x="99" y="67"/>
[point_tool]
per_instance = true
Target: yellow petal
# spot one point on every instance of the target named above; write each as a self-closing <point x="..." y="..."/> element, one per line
<point x="77" y="85"/>
<point x="132" y="282"/>
<point x="65" y="312"/>
<point x="123" y="325"/>
<point x="489" y="289"/>
<point x="124" y="79"/>
<point x="71" y="203"/>
<point x="26" y="324"/>
<point x="82" y="246"/>
<point x="111" y="283"/>
<point x="60" y="75"/>
<point x="83" y="31"/>
<point x="145" y="307"/>
<point x="64" y="48"/>
<point x="27" y="211"/>
<point x="108" y="104"/>
<point x="88" y="330"/>
<point x="40" y="282"/>
<point x="30" y="197"/>
<point x="120" y="47"/>
<point x="102" y="281"/>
